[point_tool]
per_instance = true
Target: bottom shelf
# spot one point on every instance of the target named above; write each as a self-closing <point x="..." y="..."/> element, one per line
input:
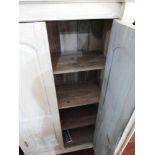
<point x="78" y="116"/>
<point x="79" y="136"/>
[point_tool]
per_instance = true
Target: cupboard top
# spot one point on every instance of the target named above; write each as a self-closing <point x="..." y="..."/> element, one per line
<point x="41" y="10"/>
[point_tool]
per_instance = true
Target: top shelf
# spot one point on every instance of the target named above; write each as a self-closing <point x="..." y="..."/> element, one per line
<point x="77" y="62"/>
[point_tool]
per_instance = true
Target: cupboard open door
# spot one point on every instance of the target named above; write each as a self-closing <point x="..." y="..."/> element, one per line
<point x="117" y="95"/>
<point x="39" y="125"/>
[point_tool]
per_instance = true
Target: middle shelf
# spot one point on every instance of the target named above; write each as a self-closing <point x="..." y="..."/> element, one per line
<point x="78" y="61"/>
<point x="77" y="95"/>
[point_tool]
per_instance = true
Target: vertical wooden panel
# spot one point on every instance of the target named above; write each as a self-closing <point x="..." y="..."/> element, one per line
<point x="95" y="35"/>
<point x="106" y="35"/>
<point x="83" y="35"/>
<point x="53" y="36"/>
<point x="80" y="77"/>
<point x="74" y="36"/>
<point x="68" y="36"/>
<point x="117" y="95"/>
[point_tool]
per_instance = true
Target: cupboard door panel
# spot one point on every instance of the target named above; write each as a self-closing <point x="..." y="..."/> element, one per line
<point x="37" y="102"/>
<point x="117" y="95"/>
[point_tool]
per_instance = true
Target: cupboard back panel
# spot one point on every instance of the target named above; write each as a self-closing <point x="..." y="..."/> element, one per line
<point x="78" y="77"/>
<point x="74" y="36"/>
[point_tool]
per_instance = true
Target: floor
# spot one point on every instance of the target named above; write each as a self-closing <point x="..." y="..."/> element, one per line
<point x="82" y="152"/>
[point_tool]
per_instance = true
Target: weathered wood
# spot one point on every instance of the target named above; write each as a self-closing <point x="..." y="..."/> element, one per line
<point x="53" y="36"/>
<point x="77" y="62"/>
<point x="117" y="95"/>
<point x="77" y="77"/>
<point x="80" y="136"/>
<point x="74" y="36"/>
<point x="106" y="35"/>
<point x="68" y="36"/>
<point x="78" y="117"/>
<point x="77" y="95"/>
<point x="95" y="41"/>
<point x="83" y="27"/>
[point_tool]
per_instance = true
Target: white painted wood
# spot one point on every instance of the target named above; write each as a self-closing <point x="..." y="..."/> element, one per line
<point x="73" y="1"/>
<point x="47" y="75"/>
<point x="117" y="95"/>
<point x="129" y="11"/>
<point x="69" y="11"/>
<point x="38" y="104"/>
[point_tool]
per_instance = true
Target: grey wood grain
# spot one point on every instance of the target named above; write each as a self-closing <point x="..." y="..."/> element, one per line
<point x="77" y="62"/>
<point x="117" y="95"/>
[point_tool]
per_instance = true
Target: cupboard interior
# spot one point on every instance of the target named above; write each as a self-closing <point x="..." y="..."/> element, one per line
<point x="78" y="55"/>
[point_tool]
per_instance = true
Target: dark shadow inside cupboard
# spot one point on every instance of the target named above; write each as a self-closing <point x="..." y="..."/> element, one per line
<point x="78" y="55"/>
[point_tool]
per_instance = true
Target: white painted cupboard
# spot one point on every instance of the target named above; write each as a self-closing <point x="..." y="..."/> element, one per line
<point x="76" y="76"/>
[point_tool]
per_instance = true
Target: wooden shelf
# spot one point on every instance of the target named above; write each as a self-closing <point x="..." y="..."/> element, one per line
<point x="77" y="62"/>
<point x="77" y="95"/>
<point x="78" y="117"/>
<point x="80" y="136"/>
